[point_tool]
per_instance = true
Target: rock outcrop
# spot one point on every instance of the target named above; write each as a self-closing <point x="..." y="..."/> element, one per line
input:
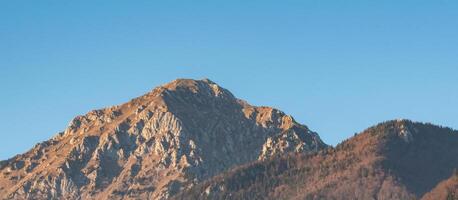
<point x="154" y="146"/>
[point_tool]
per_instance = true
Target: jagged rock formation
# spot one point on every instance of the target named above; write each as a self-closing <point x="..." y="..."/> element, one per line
<point x="397" y="159"/>
<point x="153" y="146"/>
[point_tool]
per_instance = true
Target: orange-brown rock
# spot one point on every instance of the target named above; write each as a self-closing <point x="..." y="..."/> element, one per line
<point x="154" y="146"/>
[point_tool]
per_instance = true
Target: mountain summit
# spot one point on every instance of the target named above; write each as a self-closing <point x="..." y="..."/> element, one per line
<point x="154" y="146"/>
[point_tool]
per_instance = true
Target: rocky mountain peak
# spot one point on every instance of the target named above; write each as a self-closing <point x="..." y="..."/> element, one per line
<point x="202" y="87"/>
<point x="155" y="145"/>
<point x="402" y="129"/>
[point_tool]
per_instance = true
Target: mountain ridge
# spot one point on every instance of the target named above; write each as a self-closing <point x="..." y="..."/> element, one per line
<point x="193" y="139"/>
<point x="387" y="161"/>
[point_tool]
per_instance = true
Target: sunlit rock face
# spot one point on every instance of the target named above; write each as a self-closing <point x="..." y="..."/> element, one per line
<point x="154" y="146"/>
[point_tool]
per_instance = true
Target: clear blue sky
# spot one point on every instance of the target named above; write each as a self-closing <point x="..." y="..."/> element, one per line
<point x="336" y="66"/>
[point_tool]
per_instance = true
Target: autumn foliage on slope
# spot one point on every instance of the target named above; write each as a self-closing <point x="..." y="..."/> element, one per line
<point x="394" y="160"/>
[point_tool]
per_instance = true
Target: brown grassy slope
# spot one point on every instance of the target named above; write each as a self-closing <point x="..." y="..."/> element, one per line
<point x="446" y="190"/>
<point x="393" y="160"/>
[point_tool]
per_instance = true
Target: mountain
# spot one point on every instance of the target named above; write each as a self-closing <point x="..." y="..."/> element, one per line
<point x="154" y="146"/>
<point x="192" y="139"/>
<point x="398" y="159"/>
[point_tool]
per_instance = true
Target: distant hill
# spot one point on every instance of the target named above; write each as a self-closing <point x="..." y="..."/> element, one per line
<point x="397" y="159"/>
